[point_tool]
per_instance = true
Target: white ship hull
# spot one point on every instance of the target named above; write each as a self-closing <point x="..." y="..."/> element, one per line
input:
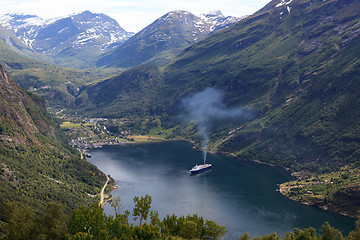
<point x="200" y="168"/>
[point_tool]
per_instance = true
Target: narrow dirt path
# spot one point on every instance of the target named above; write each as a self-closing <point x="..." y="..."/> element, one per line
<point x="102" y="202"/>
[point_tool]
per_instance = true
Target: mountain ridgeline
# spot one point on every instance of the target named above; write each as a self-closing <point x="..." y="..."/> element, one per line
<point x="165" y="38"/>
<point x="71" y="40"/>
<point x="293" y="62"/>
<point x="36" y="164"/>
<point x="33" y="72"/>
<point x="161" y="40"/>
<point x="76" y="40"/>
<point x="30" y="46"/>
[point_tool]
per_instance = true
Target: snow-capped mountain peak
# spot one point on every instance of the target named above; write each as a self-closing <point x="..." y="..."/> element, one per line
<point x="217" y="20"/>
<point x="78" y="31"/>
<point x="14" y="21"/>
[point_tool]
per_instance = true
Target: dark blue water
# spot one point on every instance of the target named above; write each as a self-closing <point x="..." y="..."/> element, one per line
<point x="239" y="195"/>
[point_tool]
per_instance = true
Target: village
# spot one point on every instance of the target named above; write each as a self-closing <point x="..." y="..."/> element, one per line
<point x="88" y="133"/>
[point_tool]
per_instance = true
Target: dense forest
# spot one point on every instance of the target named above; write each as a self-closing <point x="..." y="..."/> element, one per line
<point x="90" y="222"/>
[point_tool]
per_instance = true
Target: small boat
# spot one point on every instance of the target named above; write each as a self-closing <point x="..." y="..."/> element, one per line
<point x="200" y="168"/>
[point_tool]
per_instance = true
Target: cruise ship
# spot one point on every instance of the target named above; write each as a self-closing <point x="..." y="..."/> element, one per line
<point x="200" y="168"/>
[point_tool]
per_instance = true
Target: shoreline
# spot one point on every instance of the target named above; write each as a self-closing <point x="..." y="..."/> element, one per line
<point x="115" y="186"/>
<point x="315" y="205"/>
<point x="102" y="196"/>
<point x="325" y="208"/>
<point x="106" y="196"/>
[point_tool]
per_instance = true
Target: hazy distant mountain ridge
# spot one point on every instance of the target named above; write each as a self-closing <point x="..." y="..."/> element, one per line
<point x="32" y="71"/>
<point x="72" y="40"/>
<point x="158" y="42"/>
<point x="9" y="41"/>
<point x="24" y="26"/>
<point x="82" y="30"/>
<point x="165" y="38"/>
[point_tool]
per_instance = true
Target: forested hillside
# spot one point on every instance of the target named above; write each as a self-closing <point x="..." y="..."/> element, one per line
<point x="294" y="64"/>
<point x="297" y="69"/>
<point x="36" y="164"/>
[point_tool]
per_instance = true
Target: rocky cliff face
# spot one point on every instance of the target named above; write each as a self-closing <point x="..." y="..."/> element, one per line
<point x="17" y="110"/>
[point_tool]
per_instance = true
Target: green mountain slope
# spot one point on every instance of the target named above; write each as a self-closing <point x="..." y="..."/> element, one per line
<point x="14" y="54"/>
<point x="36" y="164"/>
<point x="295" y="64"/>
<point x="135" y="92"/>
<point x="299" y="70"/>
<point x="9" y="41"/>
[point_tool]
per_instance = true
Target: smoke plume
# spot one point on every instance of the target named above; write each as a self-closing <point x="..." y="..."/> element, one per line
<point x="205" y="107"/>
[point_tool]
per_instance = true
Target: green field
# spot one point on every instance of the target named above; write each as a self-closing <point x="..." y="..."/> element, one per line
<point x="68" y="125"/>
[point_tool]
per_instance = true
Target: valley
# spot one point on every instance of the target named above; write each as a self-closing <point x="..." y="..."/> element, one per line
<point x="335" y="191"/>
<point x="279" y="87"/>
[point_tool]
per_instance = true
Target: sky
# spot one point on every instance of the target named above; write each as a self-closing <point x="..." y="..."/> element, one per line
<point x="132" y="15"/>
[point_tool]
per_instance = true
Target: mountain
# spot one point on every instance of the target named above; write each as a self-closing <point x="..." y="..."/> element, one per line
<point x="162" y="40"/>
<point x="8" y="37"/>
<point x="58" y="85"/>
<point x="73" y="41"/>
<point x="15" y="54"/>
<point x="158" y="42"/>
<point x="293" y="62"/>
<point x="77" y="36"/>
<point x="218" y="21"/>
<point x="128" y="93"/>
<point x="33" y="72"/>
<point x="36" y="164"/>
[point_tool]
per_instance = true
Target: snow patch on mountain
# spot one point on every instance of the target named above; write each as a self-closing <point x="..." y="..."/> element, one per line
<point x="283" y="3"/>
<point x="218" y="21"/>
<point x="17" y="20"/>
<point x="79" y="30"/>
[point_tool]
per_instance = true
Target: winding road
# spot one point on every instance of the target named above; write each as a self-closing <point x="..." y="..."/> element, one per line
<point x="102" y="202"/>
